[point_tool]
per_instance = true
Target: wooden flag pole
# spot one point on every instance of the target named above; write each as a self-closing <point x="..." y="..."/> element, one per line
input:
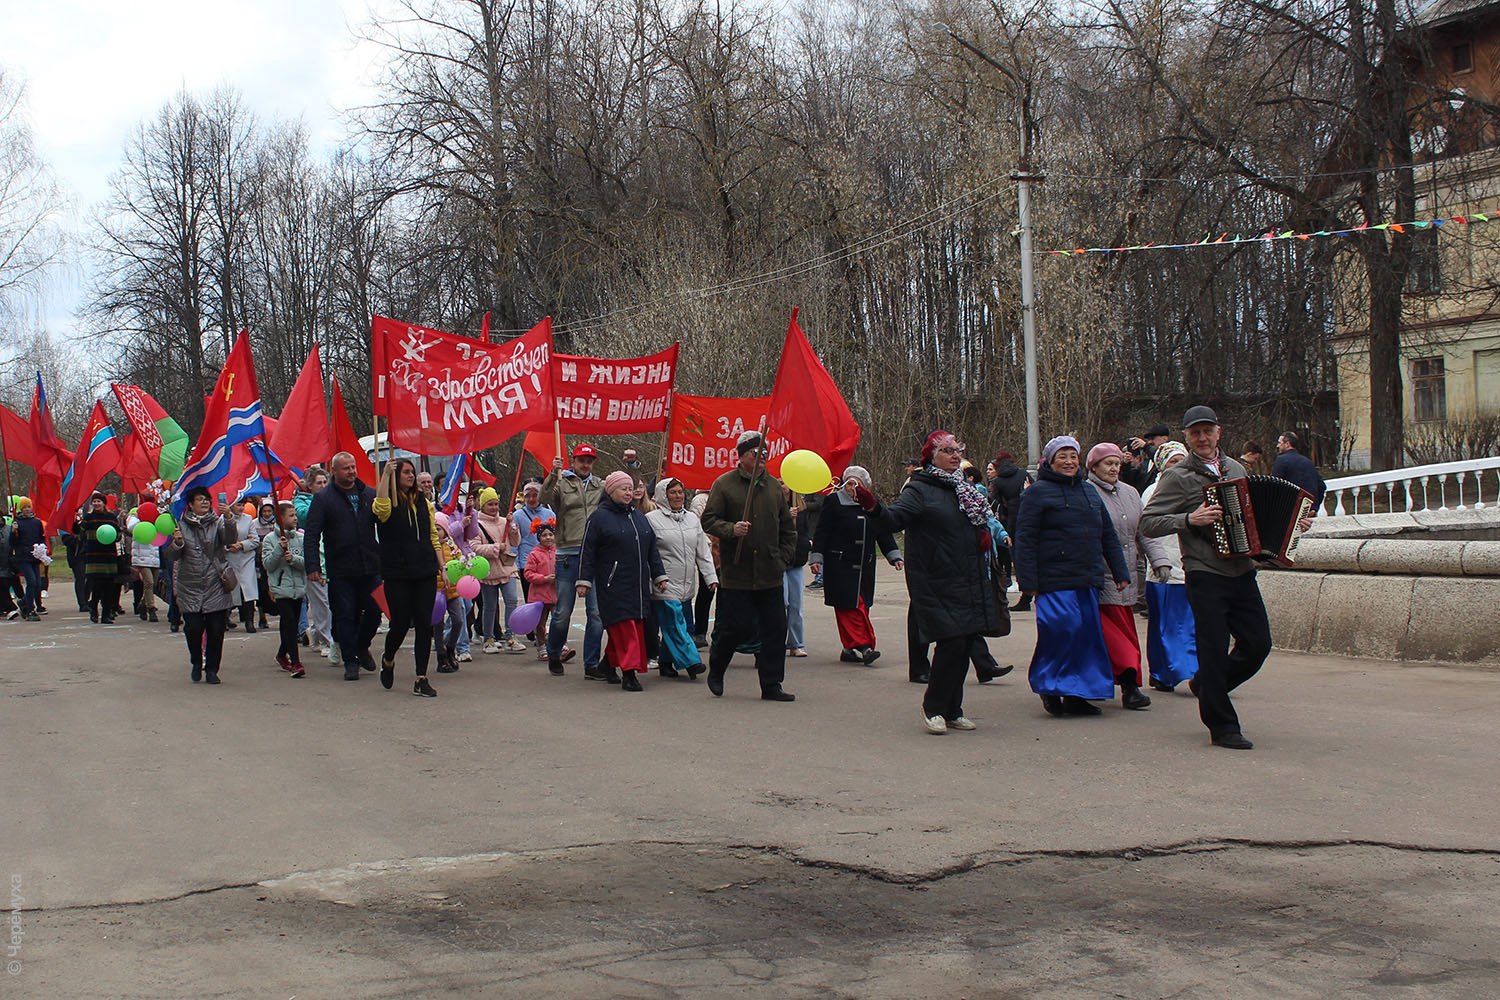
<point x="516" y="484"/>
<point x="739" y="548"/>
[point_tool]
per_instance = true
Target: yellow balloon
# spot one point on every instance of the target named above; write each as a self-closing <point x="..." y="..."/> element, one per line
<point x="805" y="471"/>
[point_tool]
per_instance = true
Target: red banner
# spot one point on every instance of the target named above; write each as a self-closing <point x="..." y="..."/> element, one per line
<point x="443" y="394"/>
<point x="607" y="396"/>
<point x="701" y="441"/>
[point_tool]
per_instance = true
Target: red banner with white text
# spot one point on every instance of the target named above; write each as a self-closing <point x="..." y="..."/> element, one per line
<point x="443" y="394"/>
<point x="609" y="396"/>
<point x="705" y="429"/>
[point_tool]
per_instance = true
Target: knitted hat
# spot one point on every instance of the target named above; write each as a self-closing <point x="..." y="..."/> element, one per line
<point x="487" y="494"/>
<point x="1056" y="445"/>
<point x="615" y="480"/>
<point x="1101" y="451"/>
<point x="857" y="472"/>
<point x="748" y="440"/>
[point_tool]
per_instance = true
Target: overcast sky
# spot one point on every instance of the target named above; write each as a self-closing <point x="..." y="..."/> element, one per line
<point x="93" y="71"/>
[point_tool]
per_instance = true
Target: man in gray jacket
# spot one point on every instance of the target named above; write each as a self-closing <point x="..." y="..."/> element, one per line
<point x="1223" y="593"/>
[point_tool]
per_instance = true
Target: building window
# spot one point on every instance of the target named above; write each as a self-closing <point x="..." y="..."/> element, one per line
<point x="1429" y="391"/>
<point x="1424" y="275"/>
<point x="1463" y="57"/>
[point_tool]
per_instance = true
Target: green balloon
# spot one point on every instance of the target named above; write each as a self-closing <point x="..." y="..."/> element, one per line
<point x="106" y="534"/>
<point x="144" y="533"/>
<point x="479" y="568"/>
<point x="455" y="570"/>
<point x="165" y="525"/>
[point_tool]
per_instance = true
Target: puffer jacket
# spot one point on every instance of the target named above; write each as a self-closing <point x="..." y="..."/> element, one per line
<point x="575" y="501"/>
<point x="201" y="559"/>
<point x="1124" y="506"/>
<point x="620" y="562"/>
<point x="286" y="575"/>
<point x="684" y="549"/>
<point x="1064" y="538"/>
<point x="772" y="542"/>
<point x="498" y="536"/>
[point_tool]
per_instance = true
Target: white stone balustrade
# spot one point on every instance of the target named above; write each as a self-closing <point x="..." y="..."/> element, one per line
<point x="1472" y="484"/>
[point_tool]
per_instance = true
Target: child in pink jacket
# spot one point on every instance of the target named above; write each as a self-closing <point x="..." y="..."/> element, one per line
<point x="541" y="576"/>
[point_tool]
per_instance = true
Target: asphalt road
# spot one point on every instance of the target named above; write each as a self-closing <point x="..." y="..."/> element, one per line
<point x="528" y="834"/>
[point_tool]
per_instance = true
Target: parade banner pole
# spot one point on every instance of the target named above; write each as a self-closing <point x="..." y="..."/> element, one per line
<point x="739" y="548"/>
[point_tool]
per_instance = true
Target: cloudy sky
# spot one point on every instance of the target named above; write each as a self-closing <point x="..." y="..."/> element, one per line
<point x="93" y="71"/>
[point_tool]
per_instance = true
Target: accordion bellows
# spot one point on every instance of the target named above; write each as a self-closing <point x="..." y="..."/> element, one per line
<point x="1261" y="517"/>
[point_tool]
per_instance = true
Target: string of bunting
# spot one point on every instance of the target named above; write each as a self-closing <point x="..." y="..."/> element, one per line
<point x="1273" y="235"/>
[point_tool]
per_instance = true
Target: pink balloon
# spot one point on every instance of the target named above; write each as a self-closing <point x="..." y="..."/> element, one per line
<point x="161" y="539"/>
<point x="467" y="587"/>
<point x="526" y="618"/>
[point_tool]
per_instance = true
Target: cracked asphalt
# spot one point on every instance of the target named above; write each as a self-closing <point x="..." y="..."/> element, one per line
<point x="523" y="834"/>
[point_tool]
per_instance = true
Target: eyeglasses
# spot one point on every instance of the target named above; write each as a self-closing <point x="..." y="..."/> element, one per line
<point x="958" y="450"/>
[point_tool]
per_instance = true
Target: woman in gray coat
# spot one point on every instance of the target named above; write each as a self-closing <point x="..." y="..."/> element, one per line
<point x="200" y="547"/>
<point x="1116" y="607"/>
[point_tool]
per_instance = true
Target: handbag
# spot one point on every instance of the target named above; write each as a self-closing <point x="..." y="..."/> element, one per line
<point x="228" y="579"/>
<point x="998" y="583"/>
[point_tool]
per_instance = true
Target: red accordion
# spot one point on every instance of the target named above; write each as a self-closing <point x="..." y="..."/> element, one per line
<point x="1261" y="517"/>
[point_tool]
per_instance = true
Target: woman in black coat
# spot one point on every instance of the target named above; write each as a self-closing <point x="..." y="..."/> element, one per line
<point x="947" y="571"/>
<point x="1064" y="541"/>
<point x="410" y="559"/>
<point x="844" y="551"/>
<point x="619" y="555"/>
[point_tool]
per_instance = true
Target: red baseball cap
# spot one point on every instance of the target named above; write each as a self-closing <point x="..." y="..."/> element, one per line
<point x="584" y="451"/>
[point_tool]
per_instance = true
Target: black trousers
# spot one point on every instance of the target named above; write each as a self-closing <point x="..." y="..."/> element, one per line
<point x="411" y="603"/>
<point x="702" y="605"/>
<point x="744" y="614"/>
<point x="288" y="609"/>
<point x="103" y="595"/>
<point x="916" y="651"/>
<point x="1225" y="608"/>
<point x="945" y="685"/>
<point x="204" y="632"/>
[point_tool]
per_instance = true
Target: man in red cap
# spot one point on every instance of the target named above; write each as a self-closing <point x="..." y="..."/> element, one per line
<point x="574" y="495"/>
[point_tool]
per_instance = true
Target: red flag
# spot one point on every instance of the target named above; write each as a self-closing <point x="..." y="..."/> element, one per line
<point x="98" y="455"/>
<point x="46" y="491"/>
<point x="807" y="408"/>
<point x="301" y="438"/>
<point x="344" y="438"/>
<point x="233" y="428"/>
<point x="544" y="446"/>
<point x="607" y="396"/>
<point x="443" y="394"/>
<point x="137" y="468"/>
<point x="20" y="443"/>
<point x="55" y="456"/>
<point x="701" y="440"/>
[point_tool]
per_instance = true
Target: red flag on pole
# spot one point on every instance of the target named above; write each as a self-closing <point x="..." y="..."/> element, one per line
<point x="20" y="442"/>
<point x="54" y="454"/>
<point x="544" y="446"/>
<point x="302" y="438"/>
<point x="807" y="408"/>
<point x="98" y="455"/>
<point x="344" y="438"/>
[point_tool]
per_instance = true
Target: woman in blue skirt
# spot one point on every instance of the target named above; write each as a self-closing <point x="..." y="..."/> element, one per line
<point x="1064" y="541"/>
<point x="1171" y="639"/>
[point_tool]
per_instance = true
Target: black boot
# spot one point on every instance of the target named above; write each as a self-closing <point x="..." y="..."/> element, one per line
<point x="1023" y="605"/>
<point x="631" y="681"/>
<point x="1074" y="705"/>
<point x="247" y="615"/>
<point x="1132" y="697"/>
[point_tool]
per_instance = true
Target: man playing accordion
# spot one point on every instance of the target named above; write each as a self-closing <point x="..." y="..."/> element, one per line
<point x="1221" y="590"/>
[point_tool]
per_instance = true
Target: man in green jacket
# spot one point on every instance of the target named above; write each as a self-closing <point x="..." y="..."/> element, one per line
<point x="1223" y="594"/>
<point x="574" y="494"/>
<point x="755" y="550"/>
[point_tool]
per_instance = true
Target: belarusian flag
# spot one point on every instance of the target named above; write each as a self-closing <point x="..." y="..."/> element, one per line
<point x="160" y="437"/>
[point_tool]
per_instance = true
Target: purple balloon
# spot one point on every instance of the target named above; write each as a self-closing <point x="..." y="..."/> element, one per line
<point x="526" y="618"/>
<point x="439" y="608"/>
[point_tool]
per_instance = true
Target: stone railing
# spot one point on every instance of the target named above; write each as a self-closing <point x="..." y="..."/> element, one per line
<point x="1474" y="484"/>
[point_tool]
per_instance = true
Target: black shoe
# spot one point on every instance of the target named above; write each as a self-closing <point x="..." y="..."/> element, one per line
<point x="250" y="628"/>
<point x="263" y="623"/>
<point x="351" y="675"/>
<point x="212" y="678"/>
<point x="1054" y="705"/>
<point x="870" y="655"/>
<point x="631" y="681"/>
<point x="700" y="641"/>
<point x="1134" y="699"/>
<point x="1024" y="605"/>
<point x="367" y="661"/>
<point x="1233" y="741"/>
<point x="388" y="674"/>
<point x="109" y="619"/>
<point x="151" y="614"/>
<point x="41" y="610"/>
<point x="850" y="656"/>
<point x="776" y="694"/>
<point x="669" y="672"/>
<point x="1074" y="705"/>
<point x="422" y="689"/>
<point x="1193" y="686"/>
<point x="592" y="673"/>
<point x="32" y="617"/>
<point x="611" y="675"/>
<point x="695" y="670"/>
<point x="1163" y="686"/>
<point x="716" y="684"/>
<point x="94" y="617"/>
<point x="920" y="678"/>
<point x="175" y="626"/>
<point x="987" y="674"/>
<point x="447" y="668"/>
<point x="555" y="668"/>
<point x="196" y="673"/>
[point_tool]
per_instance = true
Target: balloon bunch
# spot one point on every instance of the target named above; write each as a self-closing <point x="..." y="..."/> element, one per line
<point x="465" y="575"/>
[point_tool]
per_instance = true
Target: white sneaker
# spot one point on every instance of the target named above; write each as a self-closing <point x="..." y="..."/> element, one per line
<point x="490" y="646"/>
<point x="962" y="722"/>
<point x="12" y="615"/>
<point x="464" y="657"/>
<point x="514" y="645"/>
<point x="936" y="724"/>
<point x="323" y="652"/>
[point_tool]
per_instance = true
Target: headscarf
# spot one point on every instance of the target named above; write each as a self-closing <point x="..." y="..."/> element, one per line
<point x="1164" y="453"/>
<point x="1057" y="444"/>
